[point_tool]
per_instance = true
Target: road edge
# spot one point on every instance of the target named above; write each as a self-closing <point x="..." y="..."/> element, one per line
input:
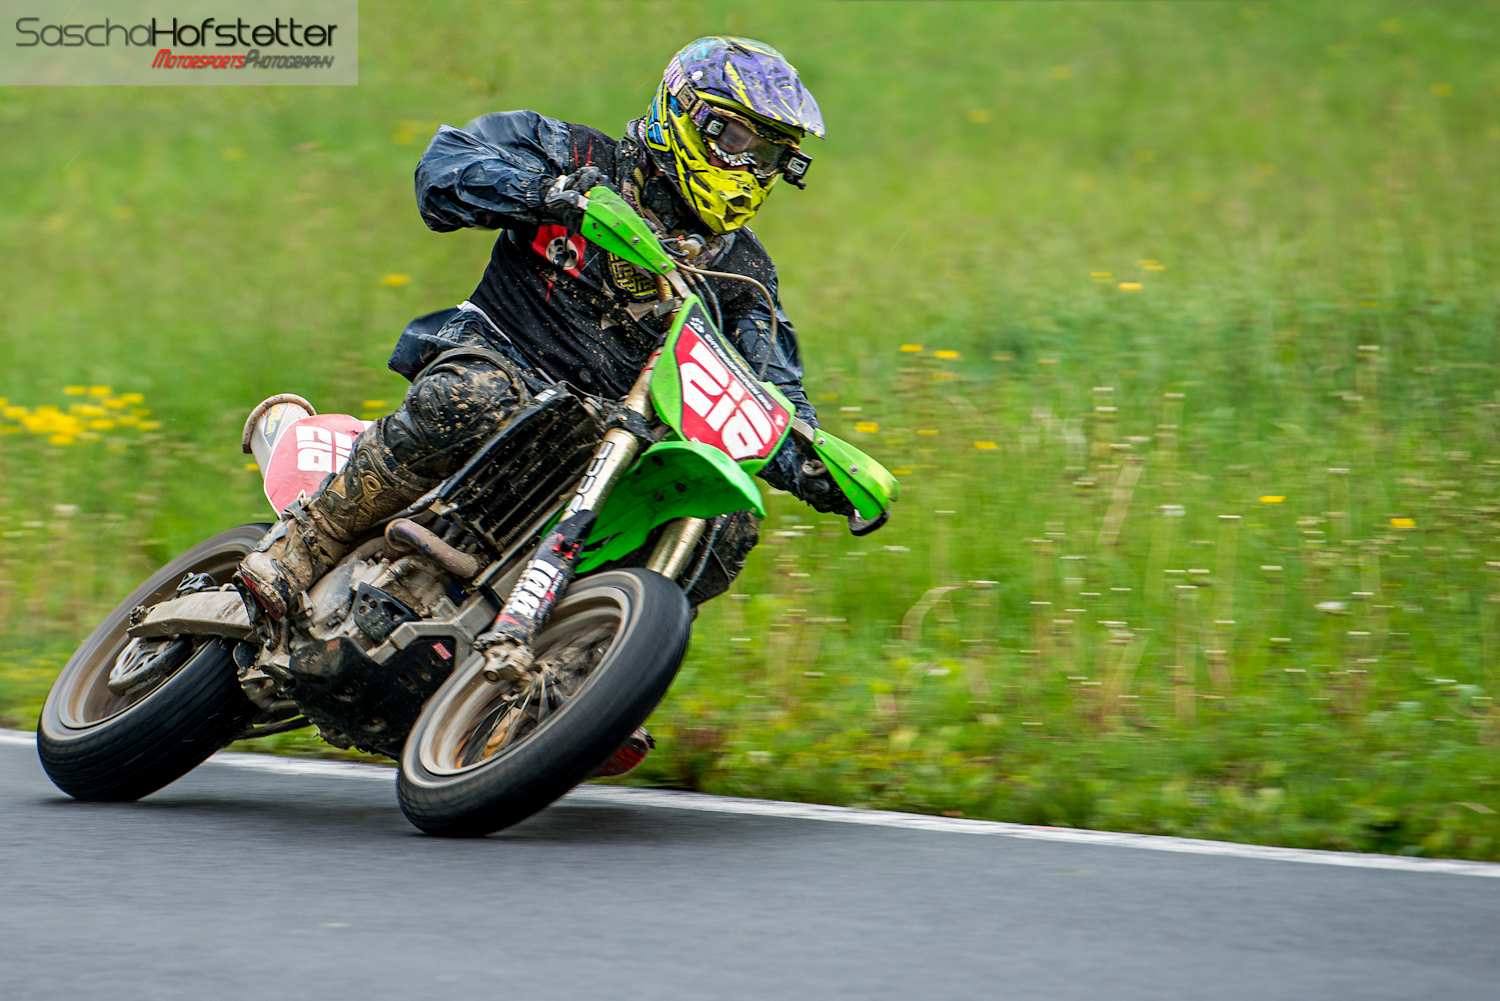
<point x="671" y="799"/>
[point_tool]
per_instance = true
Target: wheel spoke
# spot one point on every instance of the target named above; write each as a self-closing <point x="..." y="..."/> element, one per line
<point x="543" y="702"/>
<point x="504" y="730"/>
<point x="468" y="753"/>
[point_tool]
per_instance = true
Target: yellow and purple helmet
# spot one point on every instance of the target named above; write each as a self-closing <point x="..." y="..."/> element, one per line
<point x="726" y="122"/>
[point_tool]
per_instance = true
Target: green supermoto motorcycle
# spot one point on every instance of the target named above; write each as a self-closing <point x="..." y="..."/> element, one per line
<point x="504" y="637"/>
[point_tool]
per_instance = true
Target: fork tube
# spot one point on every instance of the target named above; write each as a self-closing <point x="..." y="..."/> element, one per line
<point x="617" y="451"/>
<point x="611" y="458"/>
<point x="639" y="397"/>
<point x="546" y="578"/>
<point x="676" y="544"/>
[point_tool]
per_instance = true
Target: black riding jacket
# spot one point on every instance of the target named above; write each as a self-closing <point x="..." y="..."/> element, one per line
<point x="568" y="307"/>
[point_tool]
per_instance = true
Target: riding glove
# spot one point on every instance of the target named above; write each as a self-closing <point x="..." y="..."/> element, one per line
<point x="565" y="198"/>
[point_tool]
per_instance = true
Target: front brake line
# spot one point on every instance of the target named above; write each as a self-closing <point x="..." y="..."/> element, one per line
<point x="770" y="305"/>
<point x="706" y="289"/>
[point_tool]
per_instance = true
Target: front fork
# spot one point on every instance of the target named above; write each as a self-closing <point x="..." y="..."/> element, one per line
<point x="507" y="643"/>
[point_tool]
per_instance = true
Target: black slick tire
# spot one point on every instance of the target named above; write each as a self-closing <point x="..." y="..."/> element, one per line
<point x="622" y="690"/>
<point x="96" y="747"/>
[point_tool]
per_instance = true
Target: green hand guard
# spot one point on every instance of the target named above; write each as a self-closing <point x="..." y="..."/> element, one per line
<point x="611" y="223"/>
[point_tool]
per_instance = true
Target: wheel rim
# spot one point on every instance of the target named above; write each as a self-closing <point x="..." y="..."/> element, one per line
<point x="480" y="722"/>
<point x="88" y="702"/>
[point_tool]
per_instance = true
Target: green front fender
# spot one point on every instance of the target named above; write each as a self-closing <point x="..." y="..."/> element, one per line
<point x="673" y="479"/>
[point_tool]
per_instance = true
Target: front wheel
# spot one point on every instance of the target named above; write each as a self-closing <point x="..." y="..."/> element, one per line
<point x="97" y="743"/>
<point x="483" y="756"/>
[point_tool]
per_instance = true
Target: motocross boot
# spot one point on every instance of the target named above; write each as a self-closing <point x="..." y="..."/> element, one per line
<point x="313" y="535"/>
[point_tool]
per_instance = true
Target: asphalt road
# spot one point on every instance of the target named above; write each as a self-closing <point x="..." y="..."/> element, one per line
<point x="237" y="883"/>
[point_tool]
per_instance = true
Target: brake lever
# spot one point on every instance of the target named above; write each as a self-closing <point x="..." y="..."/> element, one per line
<point x="864" y="526"/>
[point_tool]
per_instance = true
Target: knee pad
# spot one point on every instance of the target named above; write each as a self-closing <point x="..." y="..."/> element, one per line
<point x="454" y="404"/>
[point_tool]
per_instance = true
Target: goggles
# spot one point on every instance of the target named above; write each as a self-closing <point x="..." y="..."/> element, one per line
<point x="740" y="142"/>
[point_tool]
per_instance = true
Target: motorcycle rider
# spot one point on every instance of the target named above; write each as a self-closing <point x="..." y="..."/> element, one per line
<point x="726" y="120"/>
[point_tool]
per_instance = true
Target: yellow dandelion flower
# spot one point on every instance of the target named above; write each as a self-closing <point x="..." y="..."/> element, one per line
<point x="945" y="355"/>
<point x="373" y="404"/>
<point x="1272" y="499"/>
<point x="901" y="472"/>
<point x="867" y="427"/>
<point x="1403" y="523"/>
<point x="944" y="375"/>
<point x="1131" y="286"/>
<point x="150" y="425"/>
<point x="128" y="421"/>
<point x="61" y="439"/>
<point x="1100" y="274"/>
<point x="985" y="445"/>
<point x="100" y="391"/>
<point x="934" y="431"/>
<point x="407" y="130"/>
<point x="912" y="349"/>
<point x="101" y="425"/>
<point x="115" y="403"/>
<point x="75" y="390"/>
<point x="15" y="413"/>
<point x="395" y="280"/>
<point x="140" y="412"/>
<point x="251" y="466"/>
<point x="132" y="398"/>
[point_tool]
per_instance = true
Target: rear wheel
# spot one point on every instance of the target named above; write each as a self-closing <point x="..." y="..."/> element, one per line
<point x="484" y="756"/>
<point x="174" y="701"/>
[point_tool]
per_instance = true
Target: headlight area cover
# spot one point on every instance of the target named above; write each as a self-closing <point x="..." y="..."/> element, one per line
<point x="706" y="392"/>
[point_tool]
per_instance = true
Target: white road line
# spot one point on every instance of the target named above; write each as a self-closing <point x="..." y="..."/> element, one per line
<point x="673" y="800"/>
<point x="305" y="766"/>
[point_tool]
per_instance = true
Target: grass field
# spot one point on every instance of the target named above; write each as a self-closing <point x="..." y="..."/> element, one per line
<point x="1177" y="321"/>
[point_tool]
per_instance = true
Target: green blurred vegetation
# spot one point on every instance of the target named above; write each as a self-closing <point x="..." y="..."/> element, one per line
<point x="1198" y="422"/>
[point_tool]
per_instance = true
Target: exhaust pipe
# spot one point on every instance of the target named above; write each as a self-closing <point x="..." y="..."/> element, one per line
<point x="406" y="536"/>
